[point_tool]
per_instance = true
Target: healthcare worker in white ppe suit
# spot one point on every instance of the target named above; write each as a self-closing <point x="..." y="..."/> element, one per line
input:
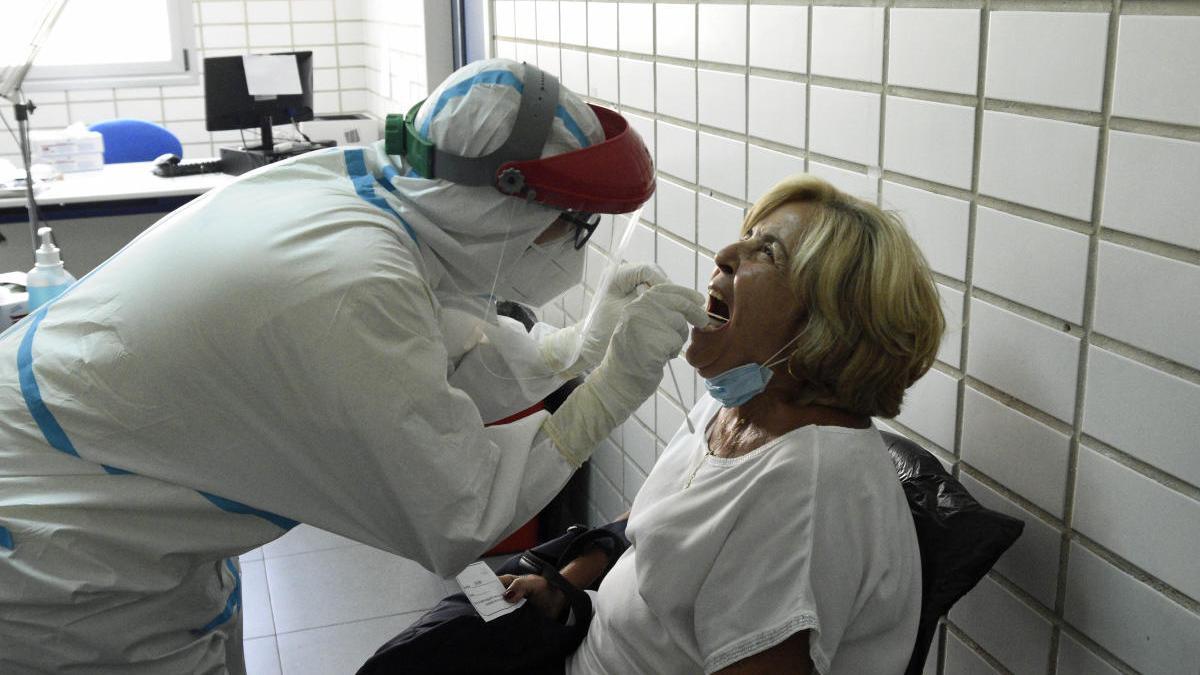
<point x="308" y="344"/>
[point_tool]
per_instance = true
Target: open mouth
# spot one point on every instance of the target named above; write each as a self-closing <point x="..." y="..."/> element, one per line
<point x="718" y="311"/>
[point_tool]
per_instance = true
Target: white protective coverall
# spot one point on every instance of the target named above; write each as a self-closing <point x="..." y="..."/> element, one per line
<point x="270" y="353"/>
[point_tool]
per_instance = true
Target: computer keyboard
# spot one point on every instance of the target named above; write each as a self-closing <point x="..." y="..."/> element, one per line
<point x="189" y="167"/>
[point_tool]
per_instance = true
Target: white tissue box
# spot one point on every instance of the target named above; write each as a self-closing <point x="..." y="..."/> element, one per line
<point x="13" y="307"/>
<point x="71" y="149"/>
<point x="14" y="303"/>
<point x="69" y="163"/>
<point x="65" y="142"/>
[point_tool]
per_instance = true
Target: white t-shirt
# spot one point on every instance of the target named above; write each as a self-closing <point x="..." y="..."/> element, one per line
<point x="808" y="532"/>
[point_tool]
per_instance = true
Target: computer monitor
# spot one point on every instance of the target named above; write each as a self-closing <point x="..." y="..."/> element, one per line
<point x="228" y="104"/>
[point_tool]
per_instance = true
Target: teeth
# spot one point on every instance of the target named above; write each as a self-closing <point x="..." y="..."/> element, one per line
<point x="716" y="294"/>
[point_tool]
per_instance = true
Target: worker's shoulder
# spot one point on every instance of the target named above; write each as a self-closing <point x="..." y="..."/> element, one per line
<point x="319" y="173"/>
<point x="298" y="199"/>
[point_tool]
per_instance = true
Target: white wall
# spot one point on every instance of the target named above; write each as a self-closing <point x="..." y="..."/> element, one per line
<point x="375" y="56"/>
<point x="333" y="30"/>
<point x="1048" y="162"/>
<point x="407" y="52"/>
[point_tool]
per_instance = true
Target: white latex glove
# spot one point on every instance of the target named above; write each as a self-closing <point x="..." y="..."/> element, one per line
<point x="557" y="347"/>
<point x="651" y="331"/>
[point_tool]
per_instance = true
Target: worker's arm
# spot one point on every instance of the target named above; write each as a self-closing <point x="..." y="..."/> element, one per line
<point x="441" y="487"/>
<point x="501" y="369"/>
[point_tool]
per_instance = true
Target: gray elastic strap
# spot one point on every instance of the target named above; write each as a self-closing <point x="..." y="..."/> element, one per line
<point x="539" y="99"/>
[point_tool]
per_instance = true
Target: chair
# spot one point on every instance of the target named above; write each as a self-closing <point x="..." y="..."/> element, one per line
<point x="127" y="140"/>
<point x="958" y="538"/>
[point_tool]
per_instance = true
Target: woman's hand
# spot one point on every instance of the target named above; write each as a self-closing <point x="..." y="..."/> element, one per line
<point x="550" y="601"/>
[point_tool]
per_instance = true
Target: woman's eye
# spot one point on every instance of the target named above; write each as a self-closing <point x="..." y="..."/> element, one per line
<point x="769" y="249"/>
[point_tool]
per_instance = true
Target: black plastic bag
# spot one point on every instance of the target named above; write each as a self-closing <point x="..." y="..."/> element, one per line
<point x="959" y="539"/>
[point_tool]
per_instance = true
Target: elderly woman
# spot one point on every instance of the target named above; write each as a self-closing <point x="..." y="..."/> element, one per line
<point x="776" y="537"/>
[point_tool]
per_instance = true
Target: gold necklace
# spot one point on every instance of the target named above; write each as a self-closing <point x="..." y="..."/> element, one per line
<point x="711" y="452"/>
<point x="696" y="470"/>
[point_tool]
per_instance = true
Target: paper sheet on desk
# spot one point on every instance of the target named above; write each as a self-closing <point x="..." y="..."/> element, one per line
<point x="272" y="74"/>
<point x="484" y="590"/>
<point x="7" y="191"/>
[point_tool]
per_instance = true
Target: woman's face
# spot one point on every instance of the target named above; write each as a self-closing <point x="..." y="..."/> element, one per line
<point x="750" y="287"/>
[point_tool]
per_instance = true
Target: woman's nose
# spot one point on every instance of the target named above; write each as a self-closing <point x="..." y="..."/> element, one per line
<point x="727" y="259"/>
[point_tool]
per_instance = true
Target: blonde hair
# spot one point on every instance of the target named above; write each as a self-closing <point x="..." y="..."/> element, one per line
<point x="873" y="316"/>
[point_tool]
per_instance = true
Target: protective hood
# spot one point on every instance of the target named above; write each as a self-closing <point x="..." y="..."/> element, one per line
<point x="472" y="236"/>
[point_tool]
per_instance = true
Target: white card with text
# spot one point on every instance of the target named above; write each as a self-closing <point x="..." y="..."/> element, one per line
<point x="484" y="590"/>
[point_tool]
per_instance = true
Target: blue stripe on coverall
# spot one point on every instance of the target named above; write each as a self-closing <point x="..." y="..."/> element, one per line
<point x="504" y="78"/>
<point x="47" y="423"/>
<point x="364" y="185"/>
<point x="238" y="507"/>
<point x="389" y="172"/>
<point x="57" y="437"/>
<point x="232" y="604"/>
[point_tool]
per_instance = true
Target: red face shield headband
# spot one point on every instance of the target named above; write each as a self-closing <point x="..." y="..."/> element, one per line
<point x="613" y="176"/>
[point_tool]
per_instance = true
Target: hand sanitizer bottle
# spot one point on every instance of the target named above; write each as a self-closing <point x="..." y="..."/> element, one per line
<point x="48" y="278"/>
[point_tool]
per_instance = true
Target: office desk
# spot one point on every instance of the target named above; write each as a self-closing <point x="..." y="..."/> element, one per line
<point x="95" y="213"/>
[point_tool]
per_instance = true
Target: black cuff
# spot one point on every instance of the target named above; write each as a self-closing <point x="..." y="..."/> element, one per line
<point x="576" y="598"/>
<point x="610" y="542"/>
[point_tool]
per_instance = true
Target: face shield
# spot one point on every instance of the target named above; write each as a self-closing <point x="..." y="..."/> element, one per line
<point x="561" y="213"/>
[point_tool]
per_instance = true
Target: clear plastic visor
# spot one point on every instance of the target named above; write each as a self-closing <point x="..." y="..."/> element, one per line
<point x="561" y="280"/>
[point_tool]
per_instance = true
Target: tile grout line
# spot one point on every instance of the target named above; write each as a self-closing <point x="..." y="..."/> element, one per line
<point x="883" y="97"/>
<point x="1089" y="313"/>
<point x="656" y="230"/>
<point x="271" y="606"/>
<point x="973" y="647"/>
<point x="744" y="140"/>
<point x="968" y="281"/>
<point x="969" y="268"/>
<point x="808" y="76"/>
<point x="349" y="622"/>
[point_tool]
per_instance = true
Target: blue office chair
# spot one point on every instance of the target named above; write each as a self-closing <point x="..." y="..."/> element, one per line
<point x="135" y="141"/>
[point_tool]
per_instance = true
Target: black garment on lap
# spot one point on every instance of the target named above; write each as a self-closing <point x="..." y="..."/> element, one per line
<point x="452" y="639"/>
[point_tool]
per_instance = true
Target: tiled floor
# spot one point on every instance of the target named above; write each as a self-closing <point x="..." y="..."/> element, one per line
<point x="315" y="603"/>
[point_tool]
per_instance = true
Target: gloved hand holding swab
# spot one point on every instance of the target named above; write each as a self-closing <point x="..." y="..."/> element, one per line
<point x="671" y="369"/>
<point x="651" y="332"/>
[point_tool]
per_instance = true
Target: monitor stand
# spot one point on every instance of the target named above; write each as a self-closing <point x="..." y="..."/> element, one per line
<point x="265" y="133"/>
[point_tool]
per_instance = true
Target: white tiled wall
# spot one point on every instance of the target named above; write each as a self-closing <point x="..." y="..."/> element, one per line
<point x="394" y="56"/>
<point x="332" y="29"/>
<point x="1046" y="157"/>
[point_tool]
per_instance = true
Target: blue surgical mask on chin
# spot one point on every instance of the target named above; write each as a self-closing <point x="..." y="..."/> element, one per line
<point x="738" y="385"/>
